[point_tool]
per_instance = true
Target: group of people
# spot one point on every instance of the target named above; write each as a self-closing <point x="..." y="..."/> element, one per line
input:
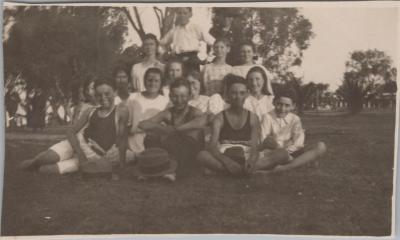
<point x="215" y="117"/>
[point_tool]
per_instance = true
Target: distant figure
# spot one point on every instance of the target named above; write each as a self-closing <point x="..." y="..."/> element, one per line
<point x="283" y="138"/>
<point x="150" y="46"/>
<point x="37" y="112"/>
<point x="184" y="39"/>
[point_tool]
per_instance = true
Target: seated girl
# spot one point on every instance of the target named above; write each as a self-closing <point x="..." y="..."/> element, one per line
<point x="146" y="105"/>
<point x="261" y="94"/>
<point x="196" y="87"/>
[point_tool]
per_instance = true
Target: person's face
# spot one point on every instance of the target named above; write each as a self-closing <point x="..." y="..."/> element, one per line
<point x="150" y="47"/>
<point x="153" y="83"/>
<point x="246" y="54"/>
<point x="179" y="97"/>
<point x="220" y="49"/>
<point x="105" y="96"/>
<point x="283" y="106"/>
<point x="237" y="94"/>
<point x="228" y="21"/>
<point x="256" y="81"/>
<point x="121" y="79"/>
<point x="175" y="70"/>
<point x="183" y="16"/>
<point x="194" y="86"/>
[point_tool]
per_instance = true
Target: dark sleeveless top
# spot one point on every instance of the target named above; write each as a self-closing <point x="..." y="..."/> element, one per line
<point x="102" y="130"/>
<point x="228" y="133"/>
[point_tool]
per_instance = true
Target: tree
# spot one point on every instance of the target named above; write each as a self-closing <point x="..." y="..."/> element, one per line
<point x="55" y="48"/>
<point x="366" y="74"/>
<point x="280" y="34"/>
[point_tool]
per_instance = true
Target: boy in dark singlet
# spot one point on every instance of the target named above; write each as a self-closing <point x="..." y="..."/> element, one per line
<point x="103" y="135"/>
<point x="234" y="128"/>
<point x="170" y="125"/>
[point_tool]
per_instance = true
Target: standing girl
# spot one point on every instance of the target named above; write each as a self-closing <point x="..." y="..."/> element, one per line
<point x="261" y="94"/>
<point x="214" y="72"/>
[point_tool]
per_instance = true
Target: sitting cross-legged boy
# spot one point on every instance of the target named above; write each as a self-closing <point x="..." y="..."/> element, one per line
<point x="282" y="133"/>
<point x="172" y="129"/>
<point x="234" y="135"/>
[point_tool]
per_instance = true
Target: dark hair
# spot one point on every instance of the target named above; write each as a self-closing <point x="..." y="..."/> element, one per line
<point x="179" y="82"/>
<point x="150" y="36"/>
<point x="156" y="71"/>
<point x="197" y="75"/>
<point x="223" y="40"/>
<point x="231" y="79"/>
<point x="249" y="43"/>
<point x="170" y="62"/>
<point x="104" y="82"/>
<point x="287" y="93"/>
<point x="86" y="84"/>
<point x="264" y="76"/>
<point x="118" y="69"/>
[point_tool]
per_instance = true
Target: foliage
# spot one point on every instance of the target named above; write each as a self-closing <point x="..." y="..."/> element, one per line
<point x="280" y="34"/>
<point x="368" y="74"/>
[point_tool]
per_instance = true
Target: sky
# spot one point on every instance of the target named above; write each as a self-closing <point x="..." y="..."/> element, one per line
<point x="338" y="31"/>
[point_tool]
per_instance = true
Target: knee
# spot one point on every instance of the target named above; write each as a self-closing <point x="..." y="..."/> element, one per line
<point x="321" y="148"/>
<point x="202" y="156"/>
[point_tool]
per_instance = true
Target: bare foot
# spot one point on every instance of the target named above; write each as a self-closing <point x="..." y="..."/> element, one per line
<point x="170" y="177"/>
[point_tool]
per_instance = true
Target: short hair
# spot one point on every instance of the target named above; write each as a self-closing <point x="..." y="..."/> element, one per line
<point x="170" y="62"/>
<point x="156" y="71"/>
<point x="264" y="76"/>
<point x="287" y="93"/>
<point x="231" y="79"/>
<point x="179" y="82"/>
<point x="223" y="40"/>
<point x="197" y="75"/>
<point x="118" y="69"/>
<point x="104" y="82"/>
<point x="151" y="37"/>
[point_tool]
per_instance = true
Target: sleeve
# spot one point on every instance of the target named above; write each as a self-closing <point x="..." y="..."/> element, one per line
<point x="134" y="77"/>
<point x="265" y="127"/>
<point x="167" y="39"/>
<point x="206" y="37"/>
<point x="215" y="104"/>
<point x="298" y="137"/>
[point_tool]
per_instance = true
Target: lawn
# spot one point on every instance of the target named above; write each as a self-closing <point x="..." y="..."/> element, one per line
<point x="347" y="193"/>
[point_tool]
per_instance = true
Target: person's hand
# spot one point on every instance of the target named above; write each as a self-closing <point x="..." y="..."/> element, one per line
<point x="270" y="142"/>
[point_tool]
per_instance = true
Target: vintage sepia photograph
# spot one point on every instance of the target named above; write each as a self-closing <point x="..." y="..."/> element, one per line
<point x="206" y="118"/>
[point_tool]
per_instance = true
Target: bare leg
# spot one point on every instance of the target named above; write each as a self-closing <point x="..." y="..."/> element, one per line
<point x="209" y="162"/>
<point x="271" y="159"/>
<point x="311" y="154"/>
<point x="43" y="158"/>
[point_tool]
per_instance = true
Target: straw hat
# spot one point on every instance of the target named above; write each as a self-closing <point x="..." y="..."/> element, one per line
<point x="154" y="162"/>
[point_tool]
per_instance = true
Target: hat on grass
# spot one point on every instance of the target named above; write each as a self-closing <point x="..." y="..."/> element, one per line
<point x="154" y="162"/>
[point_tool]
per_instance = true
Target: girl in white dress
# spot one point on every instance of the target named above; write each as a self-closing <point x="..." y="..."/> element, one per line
<point x="214" y="72"/>
<point x="261" y="94"/>
<point x="146" y="105"/>
<point x="196" y="88"/>
<point x="247" y="54"/>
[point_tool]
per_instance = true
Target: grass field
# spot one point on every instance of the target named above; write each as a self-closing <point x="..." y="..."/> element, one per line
<point x="347" y="193"/>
